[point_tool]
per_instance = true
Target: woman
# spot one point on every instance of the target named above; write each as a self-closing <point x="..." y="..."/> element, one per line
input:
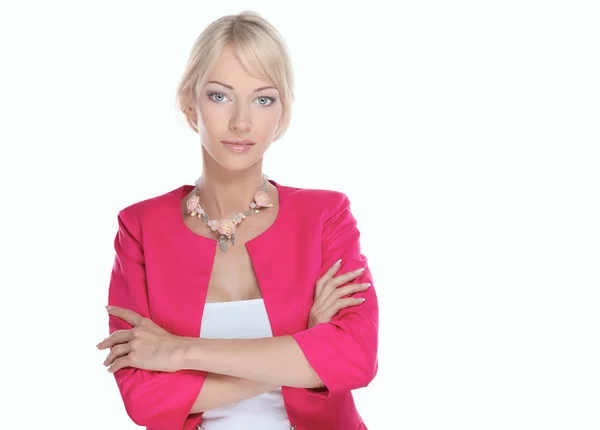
<point x="237" y="303"/>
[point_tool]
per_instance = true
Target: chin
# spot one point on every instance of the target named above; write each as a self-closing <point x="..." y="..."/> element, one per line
<point x="237" y="164"/>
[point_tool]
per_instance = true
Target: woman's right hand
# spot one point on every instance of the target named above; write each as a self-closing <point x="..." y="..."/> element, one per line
<point x="330" y="296"/>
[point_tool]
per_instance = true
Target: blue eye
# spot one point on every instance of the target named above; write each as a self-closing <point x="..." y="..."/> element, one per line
<point x="210" y="95"/>
<point x="271" y="99"/>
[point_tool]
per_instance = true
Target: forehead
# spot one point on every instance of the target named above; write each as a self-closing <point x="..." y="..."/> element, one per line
<point x="230" y="70"/>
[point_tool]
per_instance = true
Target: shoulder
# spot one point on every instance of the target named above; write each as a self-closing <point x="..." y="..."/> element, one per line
<point x="151" y="208"/>
<point x="317" y="201"/>
<point x="327" y="212"/>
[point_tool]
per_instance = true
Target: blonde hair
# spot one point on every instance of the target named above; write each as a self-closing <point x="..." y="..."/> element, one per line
<point x="260" y="48"/>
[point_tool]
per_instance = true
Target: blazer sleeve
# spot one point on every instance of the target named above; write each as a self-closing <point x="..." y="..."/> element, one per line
<point x="343" y="352"/>
<point x="159" y="400"/>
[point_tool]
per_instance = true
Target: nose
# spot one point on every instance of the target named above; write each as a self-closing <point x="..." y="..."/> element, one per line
<point x="240" y="121"/>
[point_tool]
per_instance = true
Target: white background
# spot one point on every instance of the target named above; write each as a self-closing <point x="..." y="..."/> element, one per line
<point x="465" y="133"/>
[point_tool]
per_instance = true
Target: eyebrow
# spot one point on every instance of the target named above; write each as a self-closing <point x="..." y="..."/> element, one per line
<point x="231" y="88"/>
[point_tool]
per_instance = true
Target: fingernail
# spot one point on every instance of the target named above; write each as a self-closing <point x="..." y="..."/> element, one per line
<point x="362" y="269"/>
<point x="337" y="263"/>
<point x="109" y="307"/>
<point x="362" y="299"/>
<point x="366" y="284"/>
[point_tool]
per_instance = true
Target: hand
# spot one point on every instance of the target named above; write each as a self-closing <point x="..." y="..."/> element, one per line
<point x="328" y="297"/>
<point x="145" y="346"/>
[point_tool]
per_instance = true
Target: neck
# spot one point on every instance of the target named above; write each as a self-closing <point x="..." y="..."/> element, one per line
<point x="224" y="193"/>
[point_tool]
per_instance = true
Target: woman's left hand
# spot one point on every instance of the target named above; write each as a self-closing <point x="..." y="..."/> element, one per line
<point x="145" y="346"/>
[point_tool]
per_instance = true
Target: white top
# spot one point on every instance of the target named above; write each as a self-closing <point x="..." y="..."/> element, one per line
<point x="246" y="319"/>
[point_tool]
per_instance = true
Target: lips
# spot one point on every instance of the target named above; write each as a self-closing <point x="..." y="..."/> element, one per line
<point x="238" y="146"/>
<point x="239" y="142"/>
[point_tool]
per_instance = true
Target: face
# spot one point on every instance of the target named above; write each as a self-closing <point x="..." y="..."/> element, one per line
<point x="236" y="105"/>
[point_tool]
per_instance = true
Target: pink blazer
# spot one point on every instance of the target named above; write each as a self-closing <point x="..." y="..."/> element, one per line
<point x="162" y="270"/>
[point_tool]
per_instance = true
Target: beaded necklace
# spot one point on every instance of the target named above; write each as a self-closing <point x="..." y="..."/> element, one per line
<point x="226" y="227"/>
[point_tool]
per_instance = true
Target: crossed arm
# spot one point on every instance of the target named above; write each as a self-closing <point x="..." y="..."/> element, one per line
<point x="148" y="346"/>
<point x="268" y="363"/>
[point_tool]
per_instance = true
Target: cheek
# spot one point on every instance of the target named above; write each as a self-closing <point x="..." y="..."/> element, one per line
<point x="211" y="116"/>
<point x="267" y="120"/>
<point x="214" y="123"/>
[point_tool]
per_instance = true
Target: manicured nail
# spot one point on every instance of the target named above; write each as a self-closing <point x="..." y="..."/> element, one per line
<point x="109" y="307"/>
<point x="337" y="263"/>
<point x="366" y="284"/>
<point x="362" y="269"/>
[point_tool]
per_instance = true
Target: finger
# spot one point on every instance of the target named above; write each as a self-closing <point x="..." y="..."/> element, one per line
<point x="346" y="290"/>
<point x="118" y="336"/>
<point x="347" y="277"/>
<point x="327" y="276"/>
<point x="101" y="342"/>
<point x="334" y="283"/>
<point x="125" y="314"/>
<point x="119" y="363"/>
<point x="118" y="351"/>
<point x="342" y="304"/>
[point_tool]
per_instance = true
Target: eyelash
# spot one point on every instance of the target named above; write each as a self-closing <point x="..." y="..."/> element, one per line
<point x="212" y="93"/>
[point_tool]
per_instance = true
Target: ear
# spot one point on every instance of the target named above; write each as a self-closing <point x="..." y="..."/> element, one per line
<point x="278" y="128"/>
<point x="191" y="114"/>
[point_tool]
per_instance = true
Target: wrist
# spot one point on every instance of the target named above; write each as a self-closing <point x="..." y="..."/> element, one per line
<point x="190" y="354"/>
<point x="178" y="348"/>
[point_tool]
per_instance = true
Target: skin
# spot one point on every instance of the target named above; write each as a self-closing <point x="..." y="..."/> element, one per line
<point x="229" y="181"/>
<point x="223" y="113"/>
